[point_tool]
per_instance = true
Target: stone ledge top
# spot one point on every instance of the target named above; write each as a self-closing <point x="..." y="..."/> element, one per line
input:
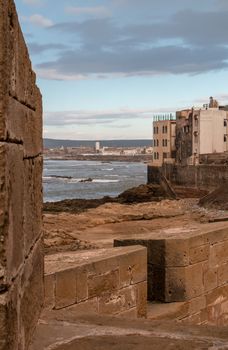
<point x="177" y="232"/>
<point x="61" y="261"/>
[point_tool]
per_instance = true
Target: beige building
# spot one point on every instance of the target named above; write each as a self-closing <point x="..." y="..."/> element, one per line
<point x="199" y="132"/>
<point x="164" y="134"/>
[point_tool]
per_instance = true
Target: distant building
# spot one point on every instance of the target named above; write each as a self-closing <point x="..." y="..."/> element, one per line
<point x="97" y="147"/>
<point x="164" y="135"/>
<point x="199" y="132"/>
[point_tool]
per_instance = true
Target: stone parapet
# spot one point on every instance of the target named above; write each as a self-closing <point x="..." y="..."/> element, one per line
<point x="21" y="250"/>
<point x="189" y="268"/>
<point x="105" y="281"/>
<point x="203" y="176"/>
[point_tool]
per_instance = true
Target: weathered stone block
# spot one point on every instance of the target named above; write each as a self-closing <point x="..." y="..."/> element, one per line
<point x="175" y="284"/>
<point x="99" y="284"/>
<point x="81" y="284"/>
<point x="199" y="254"/>
<point x="3" y="322"/>
<point x="24" y="125"/>
<point x="89" y="306"/>
<point x="223" y="317"/>
<point x="120" y="301"/>
<point x="155" y="251"/>
<point x="49" y="291"/>
<point x="194" y="281"/>
<point x="210" y="278"/>
<point x="223" y="274"/>
<point x="218" y="254"/>
<point x="213" y="314"/>
<point x="20" y="107"/>
<point x="197" y="304"/>
<point x="11" y="209"/>
<point x="176" y="252"/>
<point x="197" y="240"/>
<point x="217" y="296"/>
<point x="103" y="265"/>
<point x="133" y="268"/>
<point x="21" y="273"/>
<point x="19" y="78"/>
<point x="32" y="292"/>
<point x="32" y="202"/>
<point x="217" y="236"/>
<point x="65" y="289"/>
<point x="141" y="301"/>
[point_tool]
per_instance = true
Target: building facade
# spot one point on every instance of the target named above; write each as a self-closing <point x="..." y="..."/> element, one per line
<point x="164" y="134"/>
<point x="199" y="132"/>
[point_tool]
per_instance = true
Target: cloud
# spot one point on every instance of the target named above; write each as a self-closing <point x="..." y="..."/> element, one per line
<point x="36" y="48"/>
<point x="40" y="21"/>
<point x="108" y="49"/>
<point x="32" y="2"/>
<point x="106" y="117"/>
<point x="134" y="62"/>
<point x="222" y="4"/>
<point x="99" y="11"/>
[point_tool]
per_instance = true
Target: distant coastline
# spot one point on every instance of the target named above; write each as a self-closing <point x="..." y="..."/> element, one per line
<point x="55" y="143"/>
<point x="102" y="158"/>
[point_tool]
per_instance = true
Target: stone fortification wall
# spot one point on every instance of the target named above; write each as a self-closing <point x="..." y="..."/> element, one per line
<point x="105" y="281"/>
<point x="21" y="259"/>
<point x="190" y="268"/>
<point x="204" y="176"/>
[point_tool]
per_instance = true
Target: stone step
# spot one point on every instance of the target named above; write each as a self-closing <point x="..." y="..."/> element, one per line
<point x="109" y="281"/>
<point x="63" y="330"/>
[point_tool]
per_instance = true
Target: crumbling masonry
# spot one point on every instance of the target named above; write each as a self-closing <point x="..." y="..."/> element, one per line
<point x="21" y="257"/>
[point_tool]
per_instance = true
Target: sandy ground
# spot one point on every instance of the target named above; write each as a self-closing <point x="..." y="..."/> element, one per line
<point x="98" y="227"/>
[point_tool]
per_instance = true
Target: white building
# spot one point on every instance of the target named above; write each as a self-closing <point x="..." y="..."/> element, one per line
<point x="97" y="147"/>
<point x="199" y="132"/>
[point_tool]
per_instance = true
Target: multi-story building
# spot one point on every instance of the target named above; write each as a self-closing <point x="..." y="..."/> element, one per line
<point x="164" y="134"/>
<point x="199" y="132"/>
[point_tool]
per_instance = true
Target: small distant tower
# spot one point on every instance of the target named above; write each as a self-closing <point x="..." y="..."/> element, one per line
<point x="97" y="147"/>
<point x="213" y="103"/>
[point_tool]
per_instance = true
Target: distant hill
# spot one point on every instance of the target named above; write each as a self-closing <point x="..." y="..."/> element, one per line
<point x="53" y="143"/>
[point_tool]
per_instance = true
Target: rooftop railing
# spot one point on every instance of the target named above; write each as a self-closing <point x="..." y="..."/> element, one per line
<point x="161" y="117"/>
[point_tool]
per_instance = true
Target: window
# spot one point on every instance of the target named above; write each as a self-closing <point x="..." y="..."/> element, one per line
<point x="157" y="155"/>
<point x="186" y="129"/>
<point x="166" y="129"/>
<point x="154" y="130"/>
<point x="225" y="122"/>
<point x="165" y="155"/>
<point x="157" y="143"/>
<point x="225" y="138"/>
<point x="164" y="142"/>
<point x="157" y="130"/>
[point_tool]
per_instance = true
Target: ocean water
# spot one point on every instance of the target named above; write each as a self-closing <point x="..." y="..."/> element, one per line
<point x="62" y="178"/>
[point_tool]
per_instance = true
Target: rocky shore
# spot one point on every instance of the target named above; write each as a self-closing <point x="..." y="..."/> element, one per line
<point x="88" y="224"/>
<point x="140" y="194"/>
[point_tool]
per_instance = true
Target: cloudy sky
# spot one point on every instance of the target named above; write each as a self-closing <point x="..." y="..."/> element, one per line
<point x="106" y="66"/>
